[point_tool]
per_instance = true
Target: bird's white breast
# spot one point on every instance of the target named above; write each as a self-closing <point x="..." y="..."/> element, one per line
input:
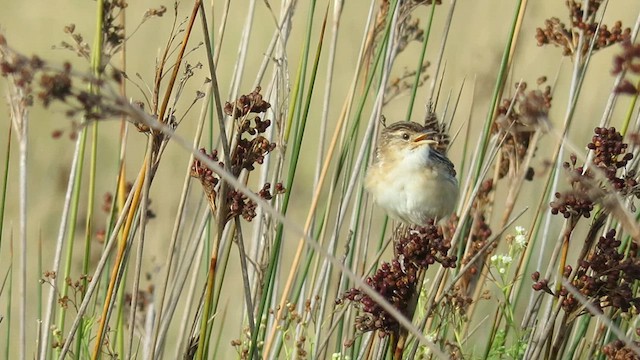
<point x="412" y="191"/>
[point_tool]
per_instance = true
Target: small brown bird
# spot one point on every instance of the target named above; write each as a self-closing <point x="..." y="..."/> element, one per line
<point x="411" y="177"/>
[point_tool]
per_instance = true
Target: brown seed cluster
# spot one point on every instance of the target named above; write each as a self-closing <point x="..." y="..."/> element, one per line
<point x="610" y="155"/>
<point x="424" y="246"/>
<point x="48" y="83"/>
<point x="409" y="28"/>
<point x="55" y="86"/>
<point x="250" y="148"/>
<point x="238" y="202"/>
<point x="578" y="201"/>
<point x="246" y="104"/>
<point x="78" y="45"/>
<point x="605" y="277"/>
<point x="51" y="84"/>
<point x="396" y="284"/>
<point x="77" y="288"/>
<point x="251" y="151"/>
<point x="540" y="284"/>
<point x="408" y="32"/>
<point x="557" y="33"/>
<point x="479" y="236"/>
<point x="618" y="350"/>
<point x="202" y="172"/>
<point x="113" y="31"/>
<point x="21" y="68"/>
<point x="627" y="61"/>
<point x="517" y="120"/>
<point x="401" y="84"/>
<point x="396" y="281"/>
<point x="457" y="301"/>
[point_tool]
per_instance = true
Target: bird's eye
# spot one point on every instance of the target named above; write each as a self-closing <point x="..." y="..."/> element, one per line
<point x="405" y="136"/>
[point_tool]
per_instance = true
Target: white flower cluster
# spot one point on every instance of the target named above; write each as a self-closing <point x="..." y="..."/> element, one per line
<point x="521" y="237"/>
<point x="338" y="356"/>
<point x="501" y="262"/>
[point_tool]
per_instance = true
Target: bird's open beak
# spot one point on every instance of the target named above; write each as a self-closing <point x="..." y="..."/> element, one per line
<point x="424" y="139"/>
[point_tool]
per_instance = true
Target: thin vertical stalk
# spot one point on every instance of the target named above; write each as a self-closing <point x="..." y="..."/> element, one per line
<point x="299" y="136"/>
<point x="443" y="44"/>
<point x="423" y="51"/>
<point x="180" y="213"/>
<point x="9" y="302"/>
<point x="118" y="261"/>
<point x="96" y="70"/>
<point x="507" y="54"/>
<point x="197" y="258"/>
<point x="9" y="272"/>
<point x="23" y="235"/>
<point x="22" y="163"/>
<point x="138" y="265"/>
<point x="71" y="184"/>
<point x="161" y="118"/>
<point x="75" y="205"/>
<point x="238" y="70"/>
<point x="335" y="30"/>
<point x="93" y="285"/>
<point x="5" y="180"/>
<point x="275" y="254"/>
<point x="17" y="100"/>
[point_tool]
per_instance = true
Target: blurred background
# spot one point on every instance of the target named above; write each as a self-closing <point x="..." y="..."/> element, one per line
<point x="473" y="50"/>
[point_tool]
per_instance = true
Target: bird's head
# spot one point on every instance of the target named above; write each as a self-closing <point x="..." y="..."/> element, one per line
<point x="404" y="138"/>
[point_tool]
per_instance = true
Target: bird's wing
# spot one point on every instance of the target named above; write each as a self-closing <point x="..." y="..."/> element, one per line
<point x="442" y="161"/>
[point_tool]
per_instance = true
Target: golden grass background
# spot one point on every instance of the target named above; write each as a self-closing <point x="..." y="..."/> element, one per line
<point x="476" y="40"/>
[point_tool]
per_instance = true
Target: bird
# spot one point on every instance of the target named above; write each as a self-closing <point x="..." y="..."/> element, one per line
<point x="411" y="177"/>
